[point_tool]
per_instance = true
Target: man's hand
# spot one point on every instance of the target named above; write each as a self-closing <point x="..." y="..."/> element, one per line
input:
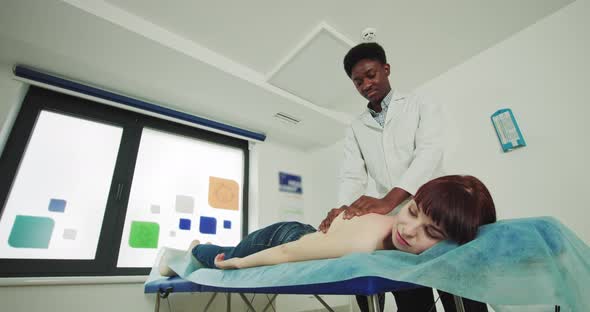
<point x="368" y="204"/>
<point x="233" y="263"/>
<point x="325" y="225"/>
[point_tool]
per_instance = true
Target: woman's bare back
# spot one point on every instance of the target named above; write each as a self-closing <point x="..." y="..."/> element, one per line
<point x="359" y="234"/>
<point x="370" y="229"/>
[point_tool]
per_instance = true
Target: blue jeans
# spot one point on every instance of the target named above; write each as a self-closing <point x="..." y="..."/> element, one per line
<point x="268" y="237"/>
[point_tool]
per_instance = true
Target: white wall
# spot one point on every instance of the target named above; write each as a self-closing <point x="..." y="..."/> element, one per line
<point x="322" y="184"/>
<point x="542" y="74"/>
<point x="318" y="172"/>
<point x="274" y="157"/>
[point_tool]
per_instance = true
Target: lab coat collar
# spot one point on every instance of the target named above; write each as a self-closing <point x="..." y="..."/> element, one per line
<point x="393" y="105"/>
<point x="368" y="119"/>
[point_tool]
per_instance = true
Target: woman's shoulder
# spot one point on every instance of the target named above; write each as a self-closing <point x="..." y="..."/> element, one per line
<point x="369" y="223"/>
<point x="364" y="233"/>
<point x="375" y="217"/>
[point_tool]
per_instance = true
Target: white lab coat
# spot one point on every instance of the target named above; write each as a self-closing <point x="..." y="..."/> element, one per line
<point x="406" y="153"/>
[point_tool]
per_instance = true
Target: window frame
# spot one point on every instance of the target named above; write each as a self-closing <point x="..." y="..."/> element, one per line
<point x="105" y="263"/>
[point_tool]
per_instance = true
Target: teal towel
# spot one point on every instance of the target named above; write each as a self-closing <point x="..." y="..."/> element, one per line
<point x="533" y="261"/>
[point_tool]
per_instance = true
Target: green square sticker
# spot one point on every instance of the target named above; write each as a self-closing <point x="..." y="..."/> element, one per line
<point x="144" y="234"/>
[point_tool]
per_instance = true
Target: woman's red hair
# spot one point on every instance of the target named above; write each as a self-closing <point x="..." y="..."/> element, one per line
<point x="458" y="203"/>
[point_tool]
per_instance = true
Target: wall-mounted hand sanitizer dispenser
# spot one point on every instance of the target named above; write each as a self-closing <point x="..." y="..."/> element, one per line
<point x="507" y="130"/>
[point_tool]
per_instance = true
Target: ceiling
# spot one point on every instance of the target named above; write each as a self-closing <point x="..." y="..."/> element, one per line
<point x="241" y="62"/>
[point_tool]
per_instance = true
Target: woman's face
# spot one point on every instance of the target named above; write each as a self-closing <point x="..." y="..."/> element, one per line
<point x="413" y="231"/>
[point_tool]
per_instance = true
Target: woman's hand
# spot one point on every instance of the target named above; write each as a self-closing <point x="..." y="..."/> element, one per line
<point x="233" y="263"/>
<point x="368" y="204"/>
<point x="325" y="225"/>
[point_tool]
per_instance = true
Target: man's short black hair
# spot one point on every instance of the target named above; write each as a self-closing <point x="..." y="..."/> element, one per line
<point x="363" y="51"/>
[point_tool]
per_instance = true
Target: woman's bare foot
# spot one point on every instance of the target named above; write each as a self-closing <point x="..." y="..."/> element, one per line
<point x="193" y="244"/>
<point x="165" y="270"/>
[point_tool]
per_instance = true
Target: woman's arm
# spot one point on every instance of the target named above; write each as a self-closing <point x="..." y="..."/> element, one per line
<point x="313" y="246"/>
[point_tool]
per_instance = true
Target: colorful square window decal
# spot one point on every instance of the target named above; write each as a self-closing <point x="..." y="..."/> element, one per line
<point x="31" y="232"/>
<point x="185" y="204"/>
<point x="223" y="193"/>
<point x="226" y="224"/>
<point x="185" y="224"/>
<point x="57" y="205"/>
<point x="70" y="234"/>
<point x="144" y="234"/>
<point x="208" y="225"/>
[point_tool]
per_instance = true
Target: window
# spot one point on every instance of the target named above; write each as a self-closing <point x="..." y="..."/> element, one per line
<point x="191" y="185"/>
<point x="89" y="189"/>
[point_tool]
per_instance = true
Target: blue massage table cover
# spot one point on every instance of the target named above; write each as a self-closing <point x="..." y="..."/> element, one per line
<point x="532" y="261"/>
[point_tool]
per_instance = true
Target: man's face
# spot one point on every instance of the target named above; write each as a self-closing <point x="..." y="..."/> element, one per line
<point x="371" y="79"/>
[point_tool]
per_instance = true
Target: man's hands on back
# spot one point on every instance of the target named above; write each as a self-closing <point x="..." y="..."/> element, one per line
<point x="368" y="204"/>
<point x="325" y="225"/>
<point x="363" y="205"/>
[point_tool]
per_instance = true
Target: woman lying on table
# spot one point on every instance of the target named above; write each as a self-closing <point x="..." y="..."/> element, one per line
<point x="450" y="207"/>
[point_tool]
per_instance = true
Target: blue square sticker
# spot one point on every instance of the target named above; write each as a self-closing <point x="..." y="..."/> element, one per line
<point x="208" y="225"/>
<point x="226" y="224"/>
<point x="184" y="224"/>
<point x="57" y="205"/>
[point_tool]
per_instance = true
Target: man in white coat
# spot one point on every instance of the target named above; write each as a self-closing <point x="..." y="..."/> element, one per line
<point x="398" y="141"/>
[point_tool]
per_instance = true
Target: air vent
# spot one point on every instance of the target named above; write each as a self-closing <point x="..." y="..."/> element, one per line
<point x="286" y="118"/>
